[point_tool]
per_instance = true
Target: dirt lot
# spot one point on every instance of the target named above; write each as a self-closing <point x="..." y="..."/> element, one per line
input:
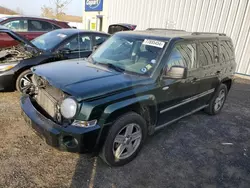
<point x="198" y="151"/>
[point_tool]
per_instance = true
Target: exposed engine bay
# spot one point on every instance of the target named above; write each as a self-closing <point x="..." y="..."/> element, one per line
<point x="14" y="54"/>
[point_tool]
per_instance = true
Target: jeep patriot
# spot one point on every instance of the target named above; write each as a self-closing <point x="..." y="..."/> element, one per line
<point x="134" y="84"/>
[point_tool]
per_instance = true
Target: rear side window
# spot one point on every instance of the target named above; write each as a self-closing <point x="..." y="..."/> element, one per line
<point x="183" y="55"/>
<point x="208" y="53"/>
<point x="227" y="51"/>
<point x="36" y="25"/>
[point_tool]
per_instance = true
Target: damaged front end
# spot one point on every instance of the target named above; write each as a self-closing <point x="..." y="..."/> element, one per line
<point x="14" y="54"/>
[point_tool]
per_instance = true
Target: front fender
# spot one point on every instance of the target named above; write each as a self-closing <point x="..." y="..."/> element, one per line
<point x="145" y="100"/>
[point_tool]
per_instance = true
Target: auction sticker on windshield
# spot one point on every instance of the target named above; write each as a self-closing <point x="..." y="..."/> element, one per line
<point x="155" y="43"/>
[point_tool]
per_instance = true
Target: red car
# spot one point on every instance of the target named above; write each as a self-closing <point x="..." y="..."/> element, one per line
<point x="28" y="27"/>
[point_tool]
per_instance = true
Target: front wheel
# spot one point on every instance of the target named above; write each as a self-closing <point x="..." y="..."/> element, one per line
<point x="218" y="100"/>
<point x="24" y="81"/>
<point x="124" y="140"/>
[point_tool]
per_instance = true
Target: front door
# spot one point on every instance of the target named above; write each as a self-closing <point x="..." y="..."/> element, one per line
<point x="177" y="97"/>
<point x="79" y="46"/>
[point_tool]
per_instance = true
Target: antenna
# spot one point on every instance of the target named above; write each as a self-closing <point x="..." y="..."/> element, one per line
<point x="79" y="45"/>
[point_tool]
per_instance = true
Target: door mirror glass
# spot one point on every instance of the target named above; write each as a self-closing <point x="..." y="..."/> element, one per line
<point x="176" y="72"/>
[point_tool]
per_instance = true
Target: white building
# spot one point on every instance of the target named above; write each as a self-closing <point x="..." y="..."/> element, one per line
<point x="226" y="16"/>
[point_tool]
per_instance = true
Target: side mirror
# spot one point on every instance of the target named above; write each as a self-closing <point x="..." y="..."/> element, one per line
<point x="65" y="51"/>
<point x="176" y="72"/>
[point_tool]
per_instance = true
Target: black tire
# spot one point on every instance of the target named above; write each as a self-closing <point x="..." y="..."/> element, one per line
<point x="18" y="81"/>
<point x="107" y="151"/>
<point x="211" y="108"/>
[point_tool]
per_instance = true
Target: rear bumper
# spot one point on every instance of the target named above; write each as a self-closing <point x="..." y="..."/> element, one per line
<point x="7" y="80"/>
<point x="67" y="138"/>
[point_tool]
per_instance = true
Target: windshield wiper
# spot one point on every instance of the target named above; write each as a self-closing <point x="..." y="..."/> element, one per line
<point x="112" y="66"/>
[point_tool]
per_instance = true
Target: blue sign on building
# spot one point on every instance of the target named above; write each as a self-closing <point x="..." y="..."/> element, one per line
<point x="93" y="5"/>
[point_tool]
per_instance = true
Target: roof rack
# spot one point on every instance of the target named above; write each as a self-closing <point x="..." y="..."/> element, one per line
<point x="208" y="33"/>
<point x="164" y="29"/>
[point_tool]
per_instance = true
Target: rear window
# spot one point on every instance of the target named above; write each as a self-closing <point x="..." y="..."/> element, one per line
<point x="227" y="51"/>
<point x="116" y="28"/>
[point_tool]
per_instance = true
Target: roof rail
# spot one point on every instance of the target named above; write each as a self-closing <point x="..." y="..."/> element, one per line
<point x="208" y="33"/>
<point x="164" y="29"/>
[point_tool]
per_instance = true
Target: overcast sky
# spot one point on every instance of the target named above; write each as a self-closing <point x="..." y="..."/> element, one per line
<point x="33" y="7"/>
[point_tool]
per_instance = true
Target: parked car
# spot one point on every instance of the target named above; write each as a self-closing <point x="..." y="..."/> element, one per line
<point x="134" y="84"/>
<point x="121" y="27"/>
<point x="16" y="61"/>
<point x="28" y="27"/>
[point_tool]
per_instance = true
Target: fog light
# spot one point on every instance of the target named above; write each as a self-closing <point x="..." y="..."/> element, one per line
<point x="79" y="123"/>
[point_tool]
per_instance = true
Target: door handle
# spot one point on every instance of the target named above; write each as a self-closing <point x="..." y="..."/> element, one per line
<point x="165" y="88"/>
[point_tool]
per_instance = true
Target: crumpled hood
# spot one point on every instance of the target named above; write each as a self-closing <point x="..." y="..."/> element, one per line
<point x="85" y="80"/>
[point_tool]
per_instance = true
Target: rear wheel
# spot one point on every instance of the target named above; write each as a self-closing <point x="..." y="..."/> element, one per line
<point x="24" y="81"/>
<point x="125" y="139"/>
<point x="218" y="100"/>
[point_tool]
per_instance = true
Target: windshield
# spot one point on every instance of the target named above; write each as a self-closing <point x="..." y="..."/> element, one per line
<point x="131" y="54"/>
<point x="49" y="40"/>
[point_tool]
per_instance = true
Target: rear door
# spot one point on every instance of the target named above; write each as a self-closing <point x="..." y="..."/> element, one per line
<point x="177" y="97"/>
<point x="210" y="69"/>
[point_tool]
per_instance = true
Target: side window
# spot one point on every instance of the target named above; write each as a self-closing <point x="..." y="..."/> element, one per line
<point x="98" y="40"/>
<point x="183" y="55"/>
<point x="55" y="26"/>
<point x="17" y="25"/>
<point x="36" y="25"/>
<point x="227" y="51"/>
<point x="208" y="53"/>
<point x="79" y="43"/>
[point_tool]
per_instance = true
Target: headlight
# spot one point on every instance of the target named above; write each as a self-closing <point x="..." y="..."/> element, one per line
<point x="6" y="67"/>
<point x="68" y="108"/>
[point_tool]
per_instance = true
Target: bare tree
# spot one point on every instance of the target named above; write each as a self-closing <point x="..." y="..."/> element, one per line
<point x="59" y="8"/>
<point x="47" y="12"/>
<point x="19" y="11"/>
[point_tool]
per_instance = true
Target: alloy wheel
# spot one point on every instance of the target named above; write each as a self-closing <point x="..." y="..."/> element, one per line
<point x="219" y="101"/>
<point x="127" y="141"/>
<point x="25" y="81"/>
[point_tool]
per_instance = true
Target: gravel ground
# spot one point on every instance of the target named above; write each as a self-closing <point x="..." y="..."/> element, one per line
<point x="198" y="151"/>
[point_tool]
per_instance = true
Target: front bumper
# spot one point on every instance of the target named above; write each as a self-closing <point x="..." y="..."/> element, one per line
<point x="67" y="138"/>
<point x="7" y="80"/>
